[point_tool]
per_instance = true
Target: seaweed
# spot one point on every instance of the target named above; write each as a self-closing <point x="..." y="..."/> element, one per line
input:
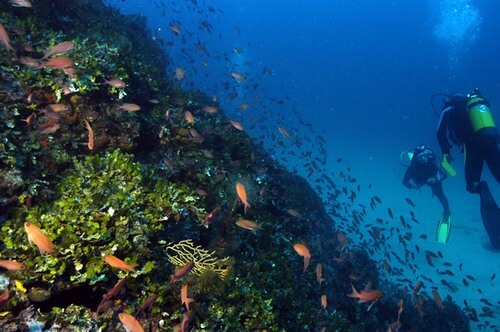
<point x="146" y="186"/>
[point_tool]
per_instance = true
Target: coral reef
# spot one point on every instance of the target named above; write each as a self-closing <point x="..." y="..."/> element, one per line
<point x="157" y="191"/>
<point x="185" y="251"/>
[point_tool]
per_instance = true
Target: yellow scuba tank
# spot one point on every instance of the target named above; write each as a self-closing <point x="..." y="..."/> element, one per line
<point x="479" y="112"/>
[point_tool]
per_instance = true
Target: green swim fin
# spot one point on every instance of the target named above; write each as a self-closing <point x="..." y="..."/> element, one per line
<point x="443" y="230"/>
<point x="447" y="167"/>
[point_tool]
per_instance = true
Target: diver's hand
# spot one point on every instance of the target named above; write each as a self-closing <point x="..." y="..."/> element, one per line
<point x="431" y="181"/>
<point x="448" y="157"/>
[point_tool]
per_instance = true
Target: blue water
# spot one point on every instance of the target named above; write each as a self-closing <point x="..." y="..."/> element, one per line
<point x="360" y="73"/>
<point x="348" y="67"/>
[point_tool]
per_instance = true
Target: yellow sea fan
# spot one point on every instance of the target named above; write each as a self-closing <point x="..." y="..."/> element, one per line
<point x="185" y="251"/>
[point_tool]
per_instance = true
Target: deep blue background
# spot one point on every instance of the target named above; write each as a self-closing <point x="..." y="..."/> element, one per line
<point x="360" y="71"/>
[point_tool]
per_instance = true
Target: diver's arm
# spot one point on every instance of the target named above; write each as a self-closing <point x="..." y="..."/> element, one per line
<point x="441" y="174"/>
<point x="442" y="131"/>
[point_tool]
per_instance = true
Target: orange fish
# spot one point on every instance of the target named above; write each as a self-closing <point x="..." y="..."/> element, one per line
<point x="50" y="129"/>
<point x="284" y="133"/>
<point x="236" y="124"/>
<point x="211" y="216"/>
<point x="4" y="38"/>
<point x="238" y="76"/>
<point x="61" y="62"/>
<point x="91" y="142"/>
<point x="417" y="287"/>
<point x="242" y="194"/>
<point x="169" y="164"/>
<point x="342" y="241"/>
<point x="324" y="302"/>
<point x="437" y="298"/>
<point x="130" y="323"/>
<point x="70" y="71"/>
<point x="418" y="305"/>
<point x="247" y="224"/>
<point x="186" y="319"/>
<point x="60" y="48"/>
<point x="30" y="118"/>
<point x="129" y="107"/>
<point x="188" y="116"/>
<point x="148" y="303"/>
<point x="303" y="251"/>
<point x="182" y="272"/>
<point x="354" y="276"/>
<point x="201" y="192"/>
<point x="21" y="32"/>
<point x="20" y="3"/>
<point x="38" y="237"/>
<point x="400" y="309"/>
<point x="395" y="326"/>
<point x="366" y="295"/>
<point x="294" y="213"/>
<point x="4" y="297"/>
<point x="210" y="109"/>
<point x="11" y="265"/>
<point x="184" y="296"/>
<point x="115" y="290"/>
<point x="116" y="83"/>
<point x="57" y="107"/>
<point x="243" y="106"/>
<point x="175" y="28"/>
<point x="238" y="50"/>
<point x="180" y="73"/>
<point x="111" y="293"/>
<point x="319" y="273"/>
<point x="30" y="62"/>
<point x="195" y="136"/>
<point x="118" y="263"/>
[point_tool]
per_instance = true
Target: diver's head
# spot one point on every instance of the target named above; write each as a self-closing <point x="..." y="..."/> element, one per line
<point x="456" y="100"/>
<point x="420" y="147"/>
<point x="475" y="93"/>
<point x="422" y="154"/>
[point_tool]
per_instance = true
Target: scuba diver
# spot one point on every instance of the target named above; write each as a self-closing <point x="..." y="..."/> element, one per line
<point x="466" y="121"/>
<point x="425" y="169"/>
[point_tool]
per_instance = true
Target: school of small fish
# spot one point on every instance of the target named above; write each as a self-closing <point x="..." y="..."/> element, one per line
<point x="341" y="190"/>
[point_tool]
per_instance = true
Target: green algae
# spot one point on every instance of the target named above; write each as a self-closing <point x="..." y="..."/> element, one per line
<point x="105" y="202"/>
<point x="104" y="207"/>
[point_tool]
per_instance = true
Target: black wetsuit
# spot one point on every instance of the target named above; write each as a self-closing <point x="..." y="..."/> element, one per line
<point x="430" y="173"/>
<point x="484" y="145"/>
